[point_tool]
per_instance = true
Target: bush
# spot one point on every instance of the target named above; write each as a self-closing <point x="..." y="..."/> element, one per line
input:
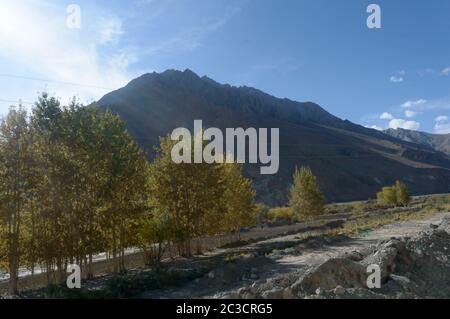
<point x="306" y="199"/>
<point x="281" y="214"/>
<point x="397" y="195"/>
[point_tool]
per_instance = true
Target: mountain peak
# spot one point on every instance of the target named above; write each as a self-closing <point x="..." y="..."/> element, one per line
<point x="345" y="156"/>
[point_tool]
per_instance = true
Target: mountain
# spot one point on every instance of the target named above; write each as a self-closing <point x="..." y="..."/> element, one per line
<point x="438" y="142"/>
<point x="350" y="161"/>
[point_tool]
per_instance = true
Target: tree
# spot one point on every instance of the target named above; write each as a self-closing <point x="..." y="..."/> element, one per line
<point x="402" y="194"/>
<point x="155" y="233"/>
<point x="239" y="198"/>
<point x="191" y="194"/>
<point x="306" y="199"/>
<point x="73" y="184"/>
<point x="397" y="195"/>
<point x="199" y="199"/>
<point x="387" y="196"/>
<point x="15" y="160"/>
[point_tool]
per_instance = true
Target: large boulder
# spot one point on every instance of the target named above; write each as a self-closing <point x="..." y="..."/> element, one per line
<point x="388" y="255"/>
<point x="332" y="273"/>
<point x="445" y="224"/>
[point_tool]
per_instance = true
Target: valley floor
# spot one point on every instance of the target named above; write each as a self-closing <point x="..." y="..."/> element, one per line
<point x="301" y="260"/>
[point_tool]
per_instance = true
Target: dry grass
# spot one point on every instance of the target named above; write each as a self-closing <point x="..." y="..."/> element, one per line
<point x="359" y="225"/>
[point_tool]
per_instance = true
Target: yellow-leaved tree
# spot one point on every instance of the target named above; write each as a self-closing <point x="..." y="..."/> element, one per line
<point x="306" y="199"/>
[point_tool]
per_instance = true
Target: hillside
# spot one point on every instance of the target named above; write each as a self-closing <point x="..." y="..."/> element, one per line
<point x="438" y="142"/>
<point x="351" y="162"/>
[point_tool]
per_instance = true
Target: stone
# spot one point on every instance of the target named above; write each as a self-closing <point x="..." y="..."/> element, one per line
<point x="335" y="272"/>
<point x="273" y="294"/>
<point x="339" y="290"/>
<point x="232" y="295"/>
<point x="288" y="293"/>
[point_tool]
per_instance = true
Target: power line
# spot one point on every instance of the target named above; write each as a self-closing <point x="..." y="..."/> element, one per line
<point x="16" y="101"/>
<point x="56" y="82"/>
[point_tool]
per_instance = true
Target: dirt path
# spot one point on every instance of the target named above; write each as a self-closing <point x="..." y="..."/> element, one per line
<point x="404" y="229"/>
<point x="268" y="259"/>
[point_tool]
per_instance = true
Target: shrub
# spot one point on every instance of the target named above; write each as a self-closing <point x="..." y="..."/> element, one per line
<point x="306" y="199"/>
<point x="397" y="195"/>
<point x="280" y="214"/>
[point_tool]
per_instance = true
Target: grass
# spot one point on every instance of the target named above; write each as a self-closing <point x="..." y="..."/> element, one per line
<point x="363" y="225"/>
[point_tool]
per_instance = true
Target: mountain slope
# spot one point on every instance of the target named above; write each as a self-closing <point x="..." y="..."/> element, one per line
<point x="351" y="162"/>
<point x="438" y="142"/>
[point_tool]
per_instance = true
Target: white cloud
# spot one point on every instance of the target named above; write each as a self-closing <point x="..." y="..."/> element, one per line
<point x="414" y="103"/>
<point x="49" y="50"/>
<point x="109" y="29"/>
<point x="409" y="113"/>
<point x="442" y="128"/>
<point x="375" y="127"/>
<point x="441" y="118"/>
<point x="442" y="125"/>
<point x="400" y="123"/>
<point x="446" y="71"/>
<point x="191" y="38"/>
<point x="386" y="116"/>
<point x="396" y="79"/>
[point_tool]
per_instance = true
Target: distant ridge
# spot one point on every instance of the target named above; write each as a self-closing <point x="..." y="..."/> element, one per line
<point x="438" y="142"/>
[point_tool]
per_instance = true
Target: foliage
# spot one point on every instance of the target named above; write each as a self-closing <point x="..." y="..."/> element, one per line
<point x="74" y="184"/>
<point x="397" y="195"/>
<point x="306" y="199"/>
<point x="282" y="214"/>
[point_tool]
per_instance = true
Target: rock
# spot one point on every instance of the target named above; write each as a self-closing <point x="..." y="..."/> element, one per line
<point x="434" y="226"/>
<point x="339" y="290"/>
<point x="232" y="295"/>
<point x="332" y="273"/>
<point x="445" y="224"/>
<point x="273" y="294"/>
<point x="242" y="290"/>
<point x="354" y="255"/>
<point x="385" y="257"/>
<point x="246" y="293"/>
<point x="400" y="279"/>
<point x="441" y="233"/>
<point x="288" y="293"/>
<point x="419" y="253"/>
<point x="361" y="293"/>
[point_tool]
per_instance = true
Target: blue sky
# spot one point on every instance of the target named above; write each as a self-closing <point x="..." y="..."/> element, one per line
<point x="320" y="51"/>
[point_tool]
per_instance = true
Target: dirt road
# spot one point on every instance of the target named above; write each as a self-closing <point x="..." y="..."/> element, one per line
<point x="283" y="258"/>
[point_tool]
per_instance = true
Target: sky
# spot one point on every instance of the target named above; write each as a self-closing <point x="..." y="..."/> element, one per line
<point x="320" y="51"/>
